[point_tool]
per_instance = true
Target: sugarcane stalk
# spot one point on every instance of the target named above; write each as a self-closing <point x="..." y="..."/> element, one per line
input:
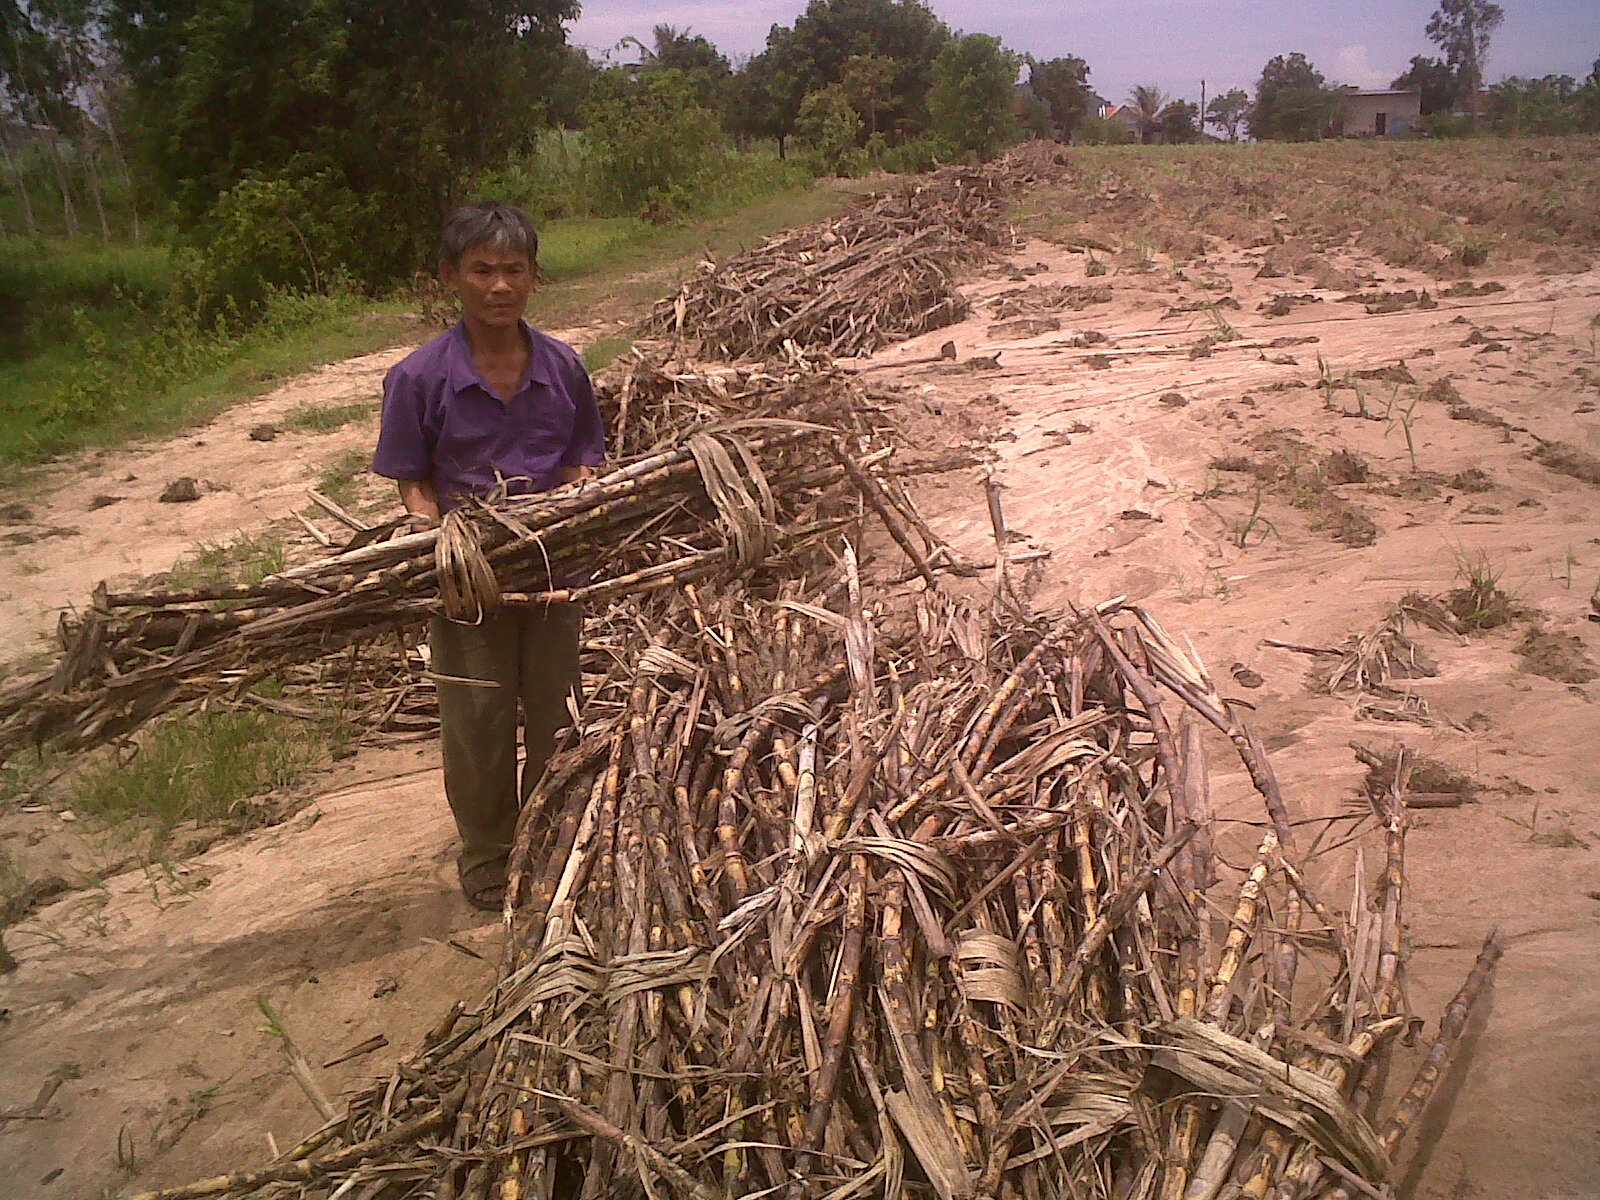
<point x="1411" y="1106"/>
<point x="842" y="1005"/>
<point x="309" y="1169"/>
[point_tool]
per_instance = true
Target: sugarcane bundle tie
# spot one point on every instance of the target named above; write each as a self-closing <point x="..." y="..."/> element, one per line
<point x="468" y="590"/>
<point x="738" y="488"/>
<point x="790" y="707"/>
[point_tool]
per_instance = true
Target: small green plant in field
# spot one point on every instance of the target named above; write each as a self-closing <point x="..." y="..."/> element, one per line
<point x="1240" y="534"/>
<point x="1568" y="561"/>
<point x="1404" y="418"/>
<point x="1213" y="486"/>
<point x="1471" y="251"/>
<point x="249" y="558"/>
<point x="325" y="418"/>
<point x="340" y="479"/>
<point x="1565" y="837"/>
<point x="1479" y="603"/>
<point x="1326" y="383"/>
<point x="201" y="767"/>
<point x="1225" y="332"/>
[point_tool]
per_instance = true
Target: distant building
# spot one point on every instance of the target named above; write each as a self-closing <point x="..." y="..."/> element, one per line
<point x="1124" y="115"/>
<point x="1377" y="112"/>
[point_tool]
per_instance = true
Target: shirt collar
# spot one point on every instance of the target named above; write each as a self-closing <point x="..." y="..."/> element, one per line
<point x="463" y="373"/>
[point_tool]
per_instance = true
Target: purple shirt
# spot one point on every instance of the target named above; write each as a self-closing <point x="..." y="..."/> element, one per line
<point x="441" y="421"/>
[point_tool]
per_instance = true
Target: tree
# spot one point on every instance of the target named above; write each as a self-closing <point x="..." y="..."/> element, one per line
<point x="691" y="54"/>
<point x="814" y="53"/>
<point x="1180" y="122"/>
<point x="829" y="126"/>
<point x="356" y="105"/>
<point x="1436" y="79"/>
<point x="567" y="87"/>
<point x="764" y="101"/>
<point x="1227" y="112"/>
<point x="974" y="81"/>
<point x="1588" y="101"/>
<point x="683" y="50"/>
<point x="1063" y="85"/>
<point x="1146" y="100"/>
<point x="865" y="83"/>
<point x="1293" y="102"/>
<point x="652" y="143"/>
<point x="1462" y="29"/>
<point x="1549" y="106"/>
<point x="37" y="87"/>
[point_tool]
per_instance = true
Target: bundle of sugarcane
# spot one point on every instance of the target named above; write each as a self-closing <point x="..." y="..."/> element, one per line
<point x="882" y="272"/>
<point x="649" y="396"/>
<point x="827" y="905"/>
<point x="721" y="498"/>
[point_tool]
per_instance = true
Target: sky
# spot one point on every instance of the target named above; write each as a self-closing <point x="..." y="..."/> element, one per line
<point x="1173" y="44"/>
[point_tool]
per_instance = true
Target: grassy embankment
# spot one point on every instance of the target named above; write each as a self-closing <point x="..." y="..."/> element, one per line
<point x="96" y="348"/>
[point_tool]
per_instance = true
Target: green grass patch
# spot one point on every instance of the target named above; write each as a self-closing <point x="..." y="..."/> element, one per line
<point x="249" y="558"/>
<point x="325" y="418"/>
<point x="43" y="280"/>
<point x="114" y="376"/>
<point x="340" y="480"/>
<point x="203" y="766"/>
<point x="602" y="352"/>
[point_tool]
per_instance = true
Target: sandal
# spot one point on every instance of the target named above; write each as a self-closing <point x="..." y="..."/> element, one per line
<point x="485" y="886"/>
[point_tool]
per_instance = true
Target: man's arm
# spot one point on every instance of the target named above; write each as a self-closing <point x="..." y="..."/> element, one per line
<point x="420" y="500"/>
<point x="587" y="449"/>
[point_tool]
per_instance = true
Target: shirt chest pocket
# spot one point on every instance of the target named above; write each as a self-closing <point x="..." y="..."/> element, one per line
<point x="544" y="417"/>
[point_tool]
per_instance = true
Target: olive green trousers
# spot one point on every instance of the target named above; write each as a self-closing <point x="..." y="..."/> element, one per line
<point x="528" y="657"/>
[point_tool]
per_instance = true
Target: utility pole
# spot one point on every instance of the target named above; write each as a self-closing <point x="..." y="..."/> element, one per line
<point x="1202" y="108"/>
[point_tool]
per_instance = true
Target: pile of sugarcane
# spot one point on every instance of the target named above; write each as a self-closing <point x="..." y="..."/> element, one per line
<point x="721" y="474"/>
<point x="882" y="272"/>
<point x="833" y="899"/>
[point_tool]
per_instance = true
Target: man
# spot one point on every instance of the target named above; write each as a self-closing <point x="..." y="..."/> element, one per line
<point x="492" y="404"/>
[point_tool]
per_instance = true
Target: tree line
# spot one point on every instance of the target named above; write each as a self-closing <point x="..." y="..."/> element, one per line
<point x="318" y="143"/>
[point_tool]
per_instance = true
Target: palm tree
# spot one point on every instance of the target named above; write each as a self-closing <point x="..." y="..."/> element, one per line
<point x="1147" y="101"/>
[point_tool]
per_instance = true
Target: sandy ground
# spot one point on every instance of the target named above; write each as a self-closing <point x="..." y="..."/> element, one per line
<point x="140" y="993"/>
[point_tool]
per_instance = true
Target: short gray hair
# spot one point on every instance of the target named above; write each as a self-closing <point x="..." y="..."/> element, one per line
<point x="503" y="226"/>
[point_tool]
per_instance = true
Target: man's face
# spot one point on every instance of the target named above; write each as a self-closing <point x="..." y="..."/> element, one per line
<point x="493" y="284"/>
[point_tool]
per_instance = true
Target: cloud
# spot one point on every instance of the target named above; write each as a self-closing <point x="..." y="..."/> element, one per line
<point x="1351" y="65"/>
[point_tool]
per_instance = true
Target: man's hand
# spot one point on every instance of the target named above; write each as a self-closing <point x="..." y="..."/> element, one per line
<point x="574" y="474"/>
<point x="421" y="503"/>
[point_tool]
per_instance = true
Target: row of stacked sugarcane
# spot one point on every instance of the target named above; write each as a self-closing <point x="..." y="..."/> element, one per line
<point x="842" y="897"/>
<point x="883" y="271"/>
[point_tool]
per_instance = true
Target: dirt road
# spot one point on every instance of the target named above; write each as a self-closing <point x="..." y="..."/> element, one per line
<point x="1150" y="454"/>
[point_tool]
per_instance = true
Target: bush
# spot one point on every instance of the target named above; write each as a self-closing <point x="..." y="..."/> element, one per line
<point x="1446" y="125"/>
<point x="653" y="146"/>
<point x="267" y="235"/>
<point x="827" y="127"/>
<point x="1101" y="131"/>
<point x="553" y="178"/>
<point x="911" y="158"/>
